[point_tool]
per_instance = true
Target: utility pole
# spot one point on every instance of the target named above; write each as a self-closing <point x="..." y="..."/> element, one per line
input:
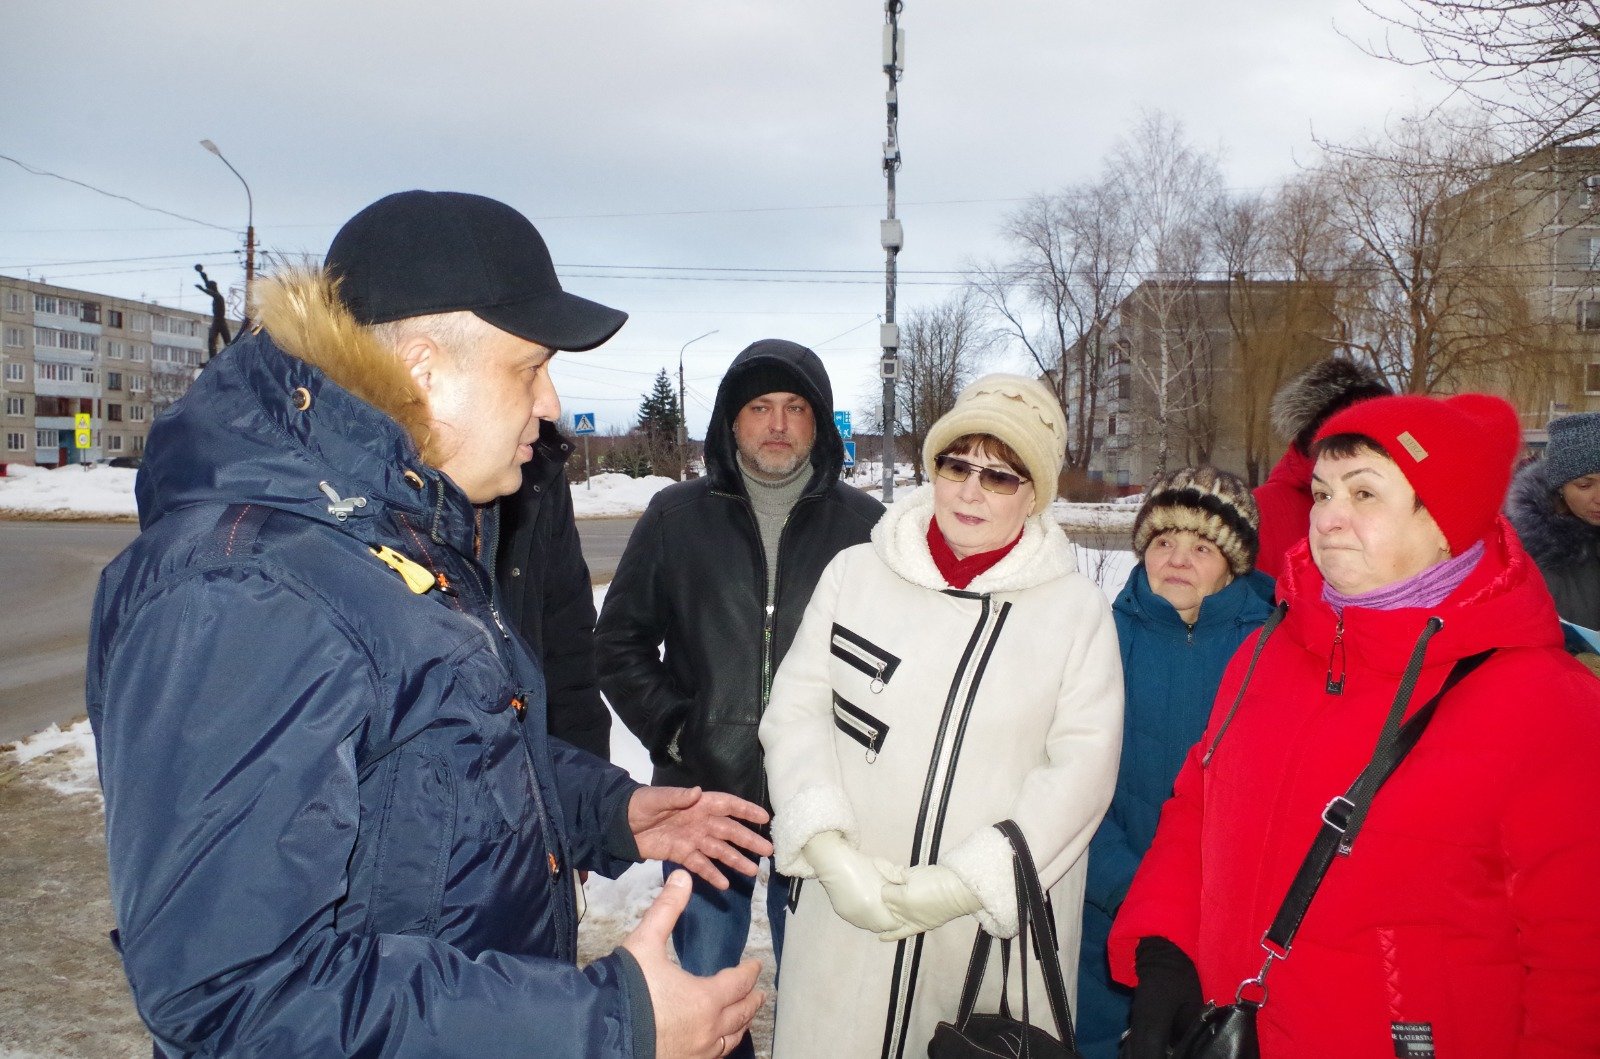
<point x="683" y="411"/>
<point x="891" y="235"/>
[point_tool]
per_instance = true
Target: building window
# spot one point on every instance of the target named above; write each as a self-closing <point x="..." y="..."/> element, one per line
<point x="137" y="412"/>
<point x="16" y="338"/>
<point x="13" y="301"/>
<point x="46" y="439"/>
<point x="138" y="444"/>
<point x="1589" y="316"/>
<point x="136" y="383"/>
<point x="1111" y="423"/>
<point x="88" y="375"/>
<point x="16" y="406"/>
<point x="1591" y="378"/>
<point x="114" y="413"/>
<point x="58" y="372"/>
<point x="90" y="313"/>
<point x="115" y="350"/>
<point x="50" y="338"/>
<point x="16" y="441"/>
<point x="113" y="380"/>
<point x="16" y="372"/>
<point x="113" y="317"/>
<point x="140" y="322"/>
<point x="113" y="442"/>
<point x="137" y="352"/>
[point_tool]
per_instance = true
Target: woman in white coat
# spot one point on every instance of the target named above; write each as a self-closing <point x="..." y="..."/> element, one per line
<point x="955" y="672"/>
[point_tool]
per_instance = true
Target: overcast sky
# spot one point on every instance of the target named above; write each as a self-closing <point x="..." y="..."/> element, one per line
<point x="661" y="146"/>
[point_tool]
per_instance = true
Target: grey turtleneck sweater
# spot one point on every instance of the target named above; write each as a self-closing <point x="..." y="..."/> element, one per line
<point x="772" y="502"/>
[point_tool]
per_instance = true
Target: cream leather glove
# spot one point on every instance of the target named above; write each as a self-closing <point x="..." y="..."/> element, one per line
<point x="853" y="880"/>
<point x="930" y="897"/>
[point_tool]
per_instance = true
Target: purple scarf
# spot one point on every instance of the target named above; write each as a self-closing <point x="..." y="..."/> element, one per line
<point x="1427" y="589"/>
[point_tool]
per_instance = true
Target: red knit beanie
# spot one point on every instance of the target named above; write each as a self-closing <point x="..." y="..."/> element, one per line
<point x="1457" y="453"/>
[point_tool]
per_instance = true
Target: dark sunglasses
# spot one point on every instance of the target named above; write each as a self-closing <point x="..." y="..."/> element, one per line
<point x="993" y="481"/>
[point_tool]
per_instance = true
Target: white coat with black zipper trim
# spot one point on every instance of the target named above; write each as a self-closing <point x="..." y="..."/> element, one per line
<point x="912" y="717"/>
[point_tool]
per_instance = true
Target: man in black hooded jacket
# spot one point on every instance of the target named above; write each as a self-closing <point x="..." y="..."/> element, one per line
<point x="544" y="584"/>
<point x="720" y="569"/>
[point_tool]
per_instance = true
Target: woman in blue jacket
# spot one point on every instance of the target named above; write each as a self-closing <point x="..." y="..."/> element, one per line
<point x="1189" y="604"/>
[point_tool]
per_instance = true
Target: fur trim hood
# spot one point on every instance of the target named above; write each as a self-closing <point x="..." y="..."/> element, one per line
<point x="1305" y="402"/>
<point x="901" y="540"/>
<point x="302" y="312"/>
<point x="1554" y="537"/>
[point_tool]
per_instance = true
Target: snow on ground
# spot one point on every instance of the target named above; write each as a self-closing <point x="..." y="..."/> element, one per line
<point x="76" y="490"/>
<point x="615" y="494"/>
<point x="78" y="742"/>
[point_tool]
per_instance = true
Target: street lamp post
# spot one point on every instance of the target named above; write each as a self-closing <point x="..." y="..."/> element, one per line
<point x="250" y="226"/>
<point x="683" y="411"/>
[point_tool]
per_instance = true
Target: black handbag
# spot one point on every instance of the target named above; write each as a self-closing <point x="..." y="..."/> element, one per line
<point x="1228" y="1031"/>
<point x="973" y="1036"/>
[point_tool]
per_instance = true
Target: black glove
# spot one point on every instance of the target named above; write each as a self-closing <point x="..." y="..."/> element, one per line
<point x="1167" y="1002"/>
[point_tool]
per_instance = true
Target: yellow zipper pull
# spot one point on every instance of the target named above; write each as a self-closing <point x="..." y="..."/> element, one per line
<point x="416" y="576"/>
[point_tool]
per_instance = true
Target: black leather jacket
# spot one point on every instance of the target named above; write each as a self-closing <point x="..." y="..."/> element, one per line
<point x="545" y="591"/>
<point x="694" y="577"/>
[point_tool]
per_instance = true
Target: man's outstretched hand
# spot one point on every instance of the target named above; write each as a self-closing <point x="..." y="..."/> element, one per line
<point x="696" y="1018"/>
<point x="697" y="829"/>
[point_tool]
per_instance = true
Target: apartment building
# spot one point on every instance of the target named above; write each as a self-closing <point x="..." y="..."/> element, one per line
<point x="1194" y="365"/>
<point x="66" y="353"/>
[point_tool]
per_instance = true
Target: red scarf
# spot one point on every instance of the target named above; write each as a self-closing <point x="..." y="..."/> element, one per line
<point x="957" y="572"/>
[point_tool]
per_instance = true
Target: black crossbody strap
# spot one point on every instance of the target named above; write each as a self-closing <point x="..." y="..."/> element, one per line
<point x="1343" y="816"/>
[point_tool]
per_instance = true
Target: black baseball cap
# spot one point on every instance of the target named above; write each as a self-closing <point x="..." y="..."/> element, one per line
<point x="415" y="253"/>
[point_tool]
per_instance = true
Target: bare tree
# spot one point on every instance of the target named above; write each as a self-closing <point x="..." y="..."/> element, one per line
<point x="1281" y="257"/>
<point x="1167" y="185"/>
<point x="1055" y="297"/>
<point x="942" y="348"/>
<point x="1535" y="63"/>
<point x="1441" y="256"/>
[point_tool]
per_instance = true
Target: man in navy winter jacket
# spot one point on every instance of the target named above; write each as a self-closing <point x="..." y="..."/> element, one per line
<point x="336" y="822"/>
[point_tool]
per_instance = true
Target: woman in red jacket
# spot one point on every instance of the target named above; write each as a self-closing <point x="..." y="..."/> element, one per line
<point x="1466" y="919"/>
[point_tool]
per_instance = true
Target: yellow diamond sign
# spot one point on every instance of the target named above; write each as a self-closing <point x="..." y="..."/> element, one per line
<point x="82" y="432"/>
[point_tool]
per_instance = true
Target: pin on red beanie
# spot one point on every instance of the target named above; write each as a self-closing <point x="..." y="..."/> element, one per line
<point x="1457" y="453"/>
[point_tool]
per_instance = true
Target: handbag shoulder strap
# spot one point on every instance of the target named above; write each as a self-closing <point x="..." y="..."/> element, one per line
<point x="1343" y="816"/>
<point x="1038" y="917"/>
<point x="1031" y="915"/>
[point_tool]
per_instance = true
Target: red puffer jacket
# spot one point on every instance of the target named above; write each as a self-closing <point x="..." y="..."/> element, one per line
<point x="1284" y="500"/>
<point x="1468" y="912"/>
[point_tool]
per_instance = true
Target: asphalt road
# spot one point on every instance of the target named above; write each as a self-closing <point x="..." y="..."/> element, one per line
<point x="49" y="571"/>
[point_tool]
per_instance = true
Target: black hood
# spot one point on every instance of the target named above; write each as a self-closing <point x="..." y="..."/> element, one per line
<point x="810" y="382"/>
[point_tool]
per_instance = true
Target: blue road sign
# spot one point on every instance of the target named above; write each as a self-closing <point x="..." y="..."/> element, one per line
<point x="583" y="423"/>
<point x="842" y="421"/>
<point x="849" y="451"/>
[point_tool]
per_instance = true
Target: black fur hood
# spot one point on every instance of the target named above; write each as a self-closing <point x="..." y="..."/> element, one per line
<point x="1555" y="538"/>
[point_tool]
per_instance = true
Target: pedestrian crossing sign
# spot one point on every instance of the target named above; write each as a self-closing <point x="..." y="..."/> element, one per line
<point x="583" y="422"/>
<point x="82" y="431"/>
<point x="849" y="455"/>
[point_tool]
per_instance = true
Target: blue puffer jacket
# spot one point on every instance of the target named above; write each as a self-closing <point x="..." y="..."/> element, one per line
<point x="1170" y="672"/>
<point x="335" y="822"/>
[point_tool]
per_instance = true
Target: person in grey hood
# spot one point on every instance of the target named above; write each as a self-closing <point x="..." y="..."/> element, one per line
<point x="1554" y="504"/>
<point x="720" y="569"/>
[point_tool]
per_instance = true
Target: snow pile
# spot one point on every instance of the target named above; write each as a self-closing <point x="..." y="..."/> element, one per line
<point x="65" y="492"/>
<point x="1104" y="518"/>
<point x="615" y="494"/>
<point x="75" y="770"/>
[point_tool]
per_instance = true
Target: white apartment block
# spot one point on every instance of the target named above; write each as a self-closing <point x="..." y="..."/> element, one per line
<point x="67" y="352"/>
